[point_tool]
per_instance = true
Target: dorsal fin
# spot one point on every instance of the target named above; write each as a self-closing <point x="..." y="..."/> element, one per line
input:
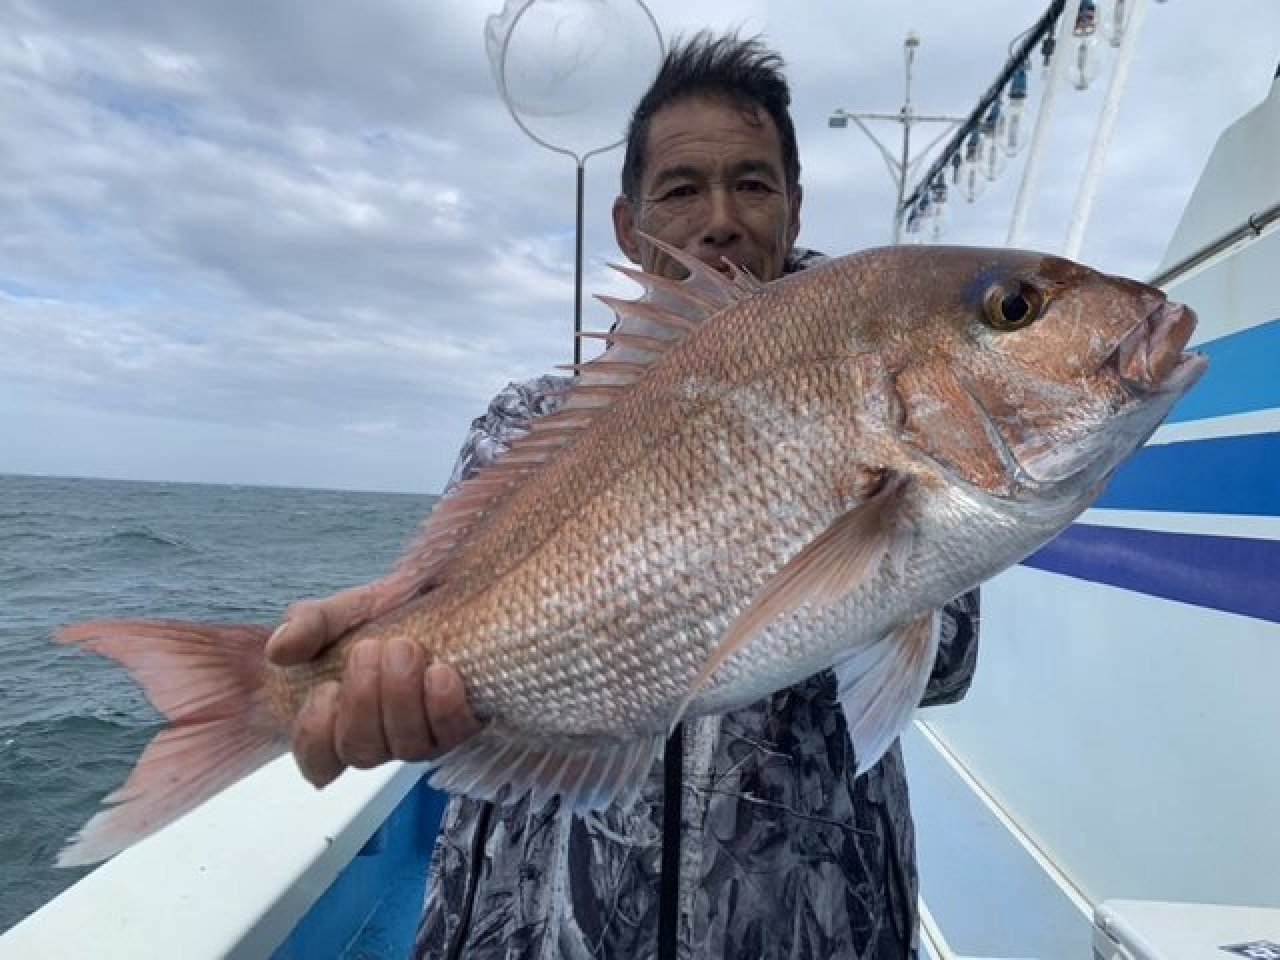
<point x="645" y="329"/>
<point x="708" y="281"/>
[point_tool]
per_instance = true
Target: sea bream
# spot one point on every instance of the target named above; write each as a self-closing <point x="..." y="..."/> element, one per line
<point x="752" y="483"/>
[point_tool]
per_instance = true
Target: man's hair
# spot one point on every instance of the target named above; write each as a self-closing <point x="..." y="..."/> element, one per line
<point x="742" y="73"/>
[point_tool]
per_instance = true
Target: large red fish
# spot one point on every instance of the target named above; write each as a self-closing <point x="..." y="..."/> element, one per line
<point x="753" y="483"/>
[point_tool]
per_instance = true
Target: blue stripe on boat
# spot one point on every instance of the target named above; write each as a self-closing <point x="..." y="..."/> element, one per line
<point x="1236" y="475"/>
<point x="1241" y="376"/>
<point x="1234" y="574"/>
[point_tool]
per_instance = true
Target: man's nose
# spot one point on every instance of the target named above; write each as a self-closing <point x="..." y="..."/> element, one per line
<point x="723" y="226"/>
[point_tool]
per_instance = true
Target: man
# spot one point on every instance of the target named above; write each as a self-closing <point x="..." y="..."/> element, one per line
<point x="773" y="848"/>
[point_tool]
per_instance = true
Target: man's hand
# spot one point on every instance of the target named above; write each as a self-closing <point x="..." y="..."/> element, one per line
<point x="391" y="703"/>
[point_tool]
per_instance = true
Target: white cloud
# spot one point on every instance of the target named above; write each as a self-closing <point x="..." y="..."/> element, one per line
<point x="301" y="243"/>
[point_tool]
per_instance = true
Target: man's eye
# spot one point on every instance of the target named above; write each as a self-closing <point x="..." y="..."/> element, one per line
<point x="684" y="191"/>
<point x="755" y="186"/>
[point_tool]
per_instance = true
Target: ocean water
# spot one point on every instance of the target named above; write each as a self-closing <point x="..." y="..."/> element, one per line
<point x="71" y="723"/>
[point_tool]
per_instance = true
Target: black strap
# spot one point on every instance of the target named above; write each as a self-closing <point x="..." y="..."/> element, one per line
<point x="669" y="878"/>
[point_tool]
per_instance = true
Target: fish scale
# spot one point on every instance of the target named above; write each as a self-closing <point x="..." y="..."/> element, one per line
<point x="673" y="583"/>
<point x="752" y="483"/>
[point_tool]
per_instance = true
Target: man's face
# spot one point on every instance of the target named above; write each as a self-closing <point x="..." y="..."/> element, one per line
<point x="712" y="185"/>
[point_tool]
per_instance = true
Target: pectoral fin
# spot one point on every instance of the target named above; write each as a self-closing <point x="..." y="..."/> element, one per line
<point x="882" y="684"/>
<point x="845" y="555"/>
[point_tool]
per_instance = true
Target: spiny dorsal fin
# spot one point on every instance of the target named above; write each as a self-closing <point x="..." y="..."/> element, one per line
<point x="642" y="310"/>
<point x="604" y="367"/>
<point x="646" y="329"/>
<point x="744" y="281"/>
<point x="680" y="303"/>
<point x="709" y="281"/>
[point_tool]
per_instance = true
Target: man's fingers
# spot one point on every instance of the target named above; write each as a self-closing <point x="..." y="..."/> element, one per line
<point x="389" y="705"/>
<point x="404" y="713"/>
<point x="313" y="736"/>
<point x="311" y="625"/>
<point x="448" y="712"/>
<point x="359" y="735"/>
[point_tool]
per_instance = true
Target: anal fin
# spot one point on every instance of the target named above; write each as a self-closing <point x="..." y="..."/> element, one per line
<point x="880" y="686"/>
<point x="586" y="773"/>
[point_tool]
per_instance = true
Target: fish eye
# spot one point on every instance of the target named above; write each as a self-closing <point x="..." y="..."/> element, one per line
<point x="1013" y="309"/>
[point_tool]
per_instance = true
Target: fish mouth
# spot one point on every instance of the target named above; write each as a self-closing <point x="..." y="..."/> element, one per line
<point x="1152" y="359"/>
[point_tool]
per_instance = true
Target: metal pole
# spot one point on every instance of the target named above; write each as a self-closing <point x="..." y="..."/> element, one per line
<point x="1031" y="173"/>
<point x="899" y="169"/>
<point x="577" y="270"/>
<point x="1106" y="125"/>
<point x="909" y="49"/>
<point x="1255" y="226"/>
<point x="580" y="160"/>
<point x="1024" y="48"/>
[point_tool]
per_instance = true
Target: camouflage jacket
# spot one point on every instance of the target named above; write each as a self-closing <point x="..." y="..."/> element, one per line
<point x="783" y="852"/>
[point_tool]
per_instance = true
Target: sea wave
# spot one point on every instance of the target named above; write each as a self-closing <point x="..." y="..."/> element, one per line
<point x="141" y="538"/>
<point x="53" y="775"/>
<point x="72" y="724"/>
<point x="79" y="728"/>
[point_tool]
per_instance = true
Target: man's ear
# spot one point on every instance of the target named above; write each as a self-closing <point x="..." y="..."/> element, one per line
<point x="624" y="229"/>
<point x="797" y="196"/>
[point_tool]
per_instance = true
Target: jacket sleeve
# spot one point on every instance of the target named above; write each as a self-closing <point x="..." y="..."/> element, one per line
<point x="508" y="416"/>
<point x="957" y="651"/>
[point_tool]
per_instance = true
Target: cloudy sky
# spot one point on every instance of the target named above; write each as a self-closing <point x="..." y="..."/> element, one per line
<point x="301" y="243"/>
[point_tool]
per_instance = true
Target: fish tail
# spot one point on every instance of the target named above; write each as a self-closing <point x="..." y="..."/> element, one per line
<point x="210" y="681"/>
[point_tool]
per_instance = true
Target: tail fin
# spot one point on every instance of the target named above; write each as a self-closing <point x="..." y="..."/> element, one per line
<point x="210" y="681"/>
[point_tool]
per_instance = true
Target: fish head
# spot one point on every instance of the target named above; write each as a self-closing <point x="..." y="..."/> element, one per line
<point x="1034" y="376"/>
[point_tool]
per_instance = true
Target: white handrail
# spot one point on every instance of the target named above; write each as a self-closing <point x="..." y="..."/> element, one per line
<point x="230" y="880"/>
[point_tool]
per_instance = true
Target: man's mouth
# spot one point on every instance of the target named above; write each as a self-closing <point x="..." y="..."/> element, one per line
<point x="725" y="265"/>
